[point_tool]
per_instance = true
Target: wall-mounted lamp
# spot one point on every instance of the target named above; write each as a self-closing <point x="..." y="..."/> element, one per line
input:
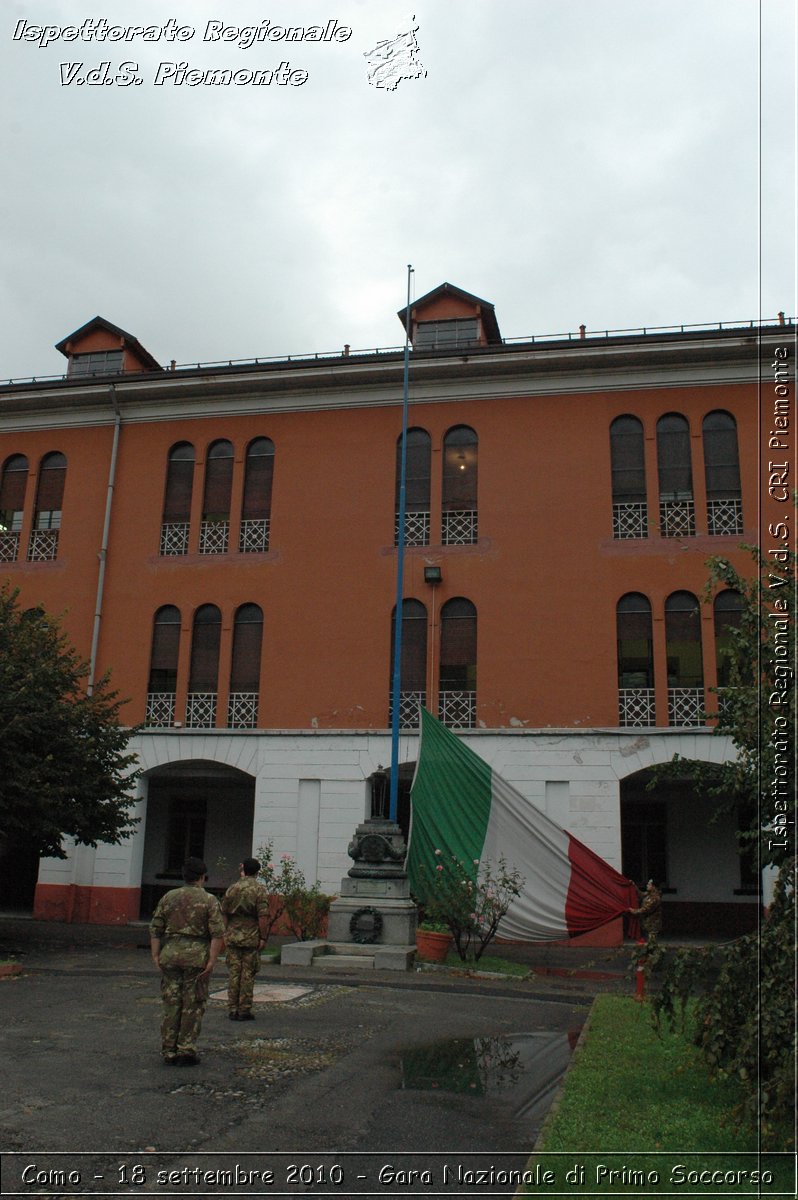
<point x="432" y="575"/>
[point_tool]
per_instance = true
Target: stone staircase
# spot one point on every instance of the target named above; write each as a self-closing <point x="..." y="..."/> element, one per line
<point x="347" y="956"/>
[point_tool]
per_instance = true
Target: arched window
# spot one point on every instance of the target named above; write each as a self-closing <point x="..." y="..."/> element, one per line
<point x="215" y="527"/>
<point x="722" y="472"/>
<point x="47" y="513"/>
<point x="413" y="670"/>
<point x="728" y="616"/>
<point x="162" y="685"/>
<point x="256" y="507"/>
<point x="204" y="673"/>
<point x="242" y="708"/>
<point x="676" y="504"/>
<point x="417" y="491"/>
<point x="627" y="456"/>
<point x="12" y="503"/>
<point x="685" y="662"/>
<point x="635" y="660"/>
<point x="459" y="487"/>
<point x="458" y="664"/>
<point x="177" y="499"/>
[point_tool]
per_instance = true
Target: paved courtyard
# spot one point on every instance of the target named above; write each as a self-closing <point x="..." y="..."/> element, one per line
<point x="339" y="1075"/>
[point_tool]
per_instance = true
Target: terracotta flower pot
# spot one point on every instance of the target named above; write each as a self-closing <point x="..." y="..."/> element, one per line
<point x="432" y="947"/>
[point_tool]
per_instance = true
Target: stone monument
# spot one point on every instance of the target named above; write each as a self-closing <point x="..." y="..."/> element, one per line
<point x="372" y="923"/>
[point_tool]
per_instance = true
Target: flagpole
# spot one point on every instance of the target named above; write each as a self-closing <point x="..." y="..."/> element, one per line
<point x="400" y="574"/>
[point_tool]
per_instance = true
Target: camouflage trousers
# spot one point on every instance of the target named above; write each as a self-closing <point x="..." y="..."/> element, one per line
<point x="242" y="965"/>
<point x="183" y="996"/>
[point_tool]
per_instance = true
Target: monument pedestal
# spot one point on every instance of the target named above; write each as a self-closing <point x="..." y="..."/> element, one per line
<point x="372" y="923"/>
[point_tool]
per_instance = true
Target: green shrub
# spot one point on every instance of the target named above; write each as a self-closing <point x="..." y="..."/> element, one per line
<point x="306" y="910"/>
<point x="743" y="1018"/>
<point x="303" y="909"/>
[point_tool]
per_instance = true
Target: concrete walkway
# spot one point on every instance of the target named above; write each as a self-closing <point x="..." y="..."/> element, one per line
<point x="416" y="1071"/>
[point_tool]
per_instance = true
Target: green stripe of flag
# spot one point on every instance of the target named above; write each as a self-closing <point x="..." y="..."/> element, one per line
<point x="451" y="799"/>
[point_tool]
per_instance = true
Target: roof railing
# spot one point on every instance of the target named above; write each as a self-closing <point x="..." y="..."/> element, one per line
<point x="581" y="335"/>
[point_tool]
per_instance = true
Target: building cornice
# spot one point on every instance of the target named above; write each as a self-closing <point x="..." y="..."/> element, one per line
<point x="719" y="358"/>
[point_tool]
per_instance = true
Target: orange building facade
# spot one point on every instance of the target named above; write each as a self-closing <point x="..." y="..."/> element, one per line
<point x="223" y="540"/>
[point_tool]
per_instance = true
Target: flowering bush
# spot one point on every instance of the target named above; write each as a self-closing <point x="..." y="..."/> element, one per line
<point x="306" y="911"/>
<point x="470" y="899"/>
<point x="305" y="908"/>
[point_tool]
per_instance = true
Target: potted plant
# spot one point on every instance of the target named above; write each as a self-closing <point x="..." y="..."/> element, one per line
<point x="433" y="940"/>
<point x="468" y="899"/>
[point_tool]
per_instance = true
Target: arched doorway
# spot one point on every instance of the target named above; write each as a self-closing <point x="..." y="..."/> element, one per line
<point x="380" y="783"/>
<point x="19" y="871"/>
<point x="670" y="833"/>
<point x="200" y="809"/>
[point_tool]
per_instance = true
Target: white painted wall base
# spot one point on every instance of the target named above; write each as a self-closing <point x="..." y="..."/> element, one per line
<point x="310" y="791"/>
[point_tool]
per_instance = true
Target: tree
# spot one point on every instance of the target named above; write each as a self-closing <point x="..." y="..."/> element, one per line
<point x="743" y="997"/>
<point x="756" y="708"/>
<point x="64" y="769"/>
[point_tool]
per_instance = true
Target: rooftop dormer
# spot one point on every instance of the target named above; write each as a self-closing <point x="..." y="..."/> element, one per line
<point x="447" y="318"/>
<point x="100" y="348"/>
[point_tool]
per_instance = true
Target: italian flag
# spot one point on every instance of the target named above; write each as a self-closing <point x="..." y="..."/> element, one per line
<point x="463" y="808"/>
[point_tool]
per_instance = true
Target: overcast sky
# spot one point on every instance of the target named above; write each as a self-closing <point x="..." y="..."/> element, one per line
<point x="571" y="161"/>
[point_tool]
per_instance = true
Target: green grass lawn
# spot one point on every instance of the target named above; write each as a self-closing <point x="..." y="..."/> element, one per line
<point x="490" y="963"/>
<point x="632" y="1091"/>
<point x="633" y="1088"/>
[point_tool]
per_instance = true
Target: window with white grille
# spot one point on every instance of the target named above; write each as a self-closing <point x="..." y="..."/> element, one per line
<point x="722" y="473"/>
<point x="256" y="506"/>
<point x="676" y="503"/>
<point x="685" y="660"/>
<point x="627" y="457"/>
<point x="215" y="527"/>
<point x="242" y="709"/>
<point x="13" y="485"/>
<point x="635" y="661"/>
<point x="413" y="670"/>
<point x="43" y="544"/>
<point x="204" y="670"/>
<point x="162" y="683"/>
<point x="459" y="500"/>
<point x="417" y="488"/>
<point x="457" y="685"/>
<point x="177" y="500"/>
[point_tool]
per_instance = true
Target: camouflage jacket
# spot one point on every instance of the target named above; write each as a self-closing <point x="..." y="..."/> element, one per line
<point x="243" y="903"/>
<point x="650" y="912"/>
<point x="186" y="920"/>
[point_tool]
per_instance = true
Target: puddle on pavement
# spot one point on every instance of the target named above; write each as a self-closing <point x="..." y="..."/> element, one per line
<point x="525" y="1069"/>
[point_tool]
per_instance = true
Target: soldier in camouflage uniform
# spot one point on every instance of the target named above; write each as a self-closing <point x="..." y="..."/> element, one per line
<point x="245" y="906"/>
<point x="186" y="935"/>
<point x="650" y="911"/>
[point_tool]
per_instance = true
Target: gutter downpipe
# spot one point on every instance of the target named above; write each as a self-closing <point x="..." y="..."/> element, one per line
<point x="103" y="552"/>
